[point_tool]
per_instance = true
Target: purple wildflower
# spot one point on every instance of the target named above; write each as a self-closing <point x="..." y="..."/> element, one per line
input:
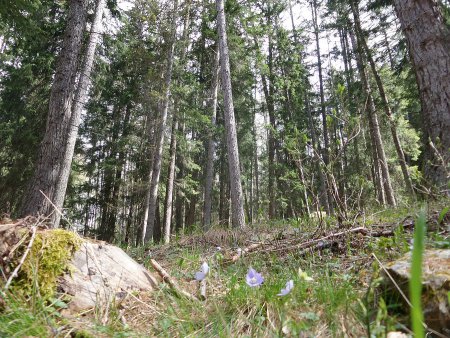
<point x="200" y="275"/>
<point x="289" y="286"/>
<point x="253" y="278"/>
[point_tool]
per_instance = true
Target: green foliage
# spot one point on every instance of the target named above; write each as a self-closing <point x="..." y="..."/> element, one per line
<point x="18" y="319"/>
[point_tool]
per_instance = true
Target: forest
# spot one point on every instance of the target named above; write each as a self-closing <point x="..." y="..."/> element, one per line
<point x="267" y="137"/>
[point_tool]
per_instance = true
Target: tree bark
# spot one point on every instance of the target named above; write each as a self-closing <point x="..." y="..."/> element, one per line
<point x="170" y="181"/>
<point x="428" y="39"/>
<point x="147" y="232"/>
<point x="377" y="142"/>
<point x="209" y="177"/>
<point x="78" y="105"/>
<point x="385" y="102"/>
<point x="173" y="142"/>
<point x="326" y="148"/>
<point x="50" y="160"/>
<point x="237" y="203"/>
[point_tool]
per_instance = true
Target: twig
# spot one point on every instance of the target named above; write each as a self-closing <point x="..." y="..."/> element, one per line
<point x="203" y="289"/>
<point x="56" y="209"/>
<point x="172" y="283"/>
<point x="22" y="260"/>
<point x="19" y="243"/>
<point x="246" y="250"/>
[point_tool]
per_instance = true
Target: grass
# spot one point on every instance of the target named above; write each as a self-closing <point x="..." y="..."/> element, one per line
<point x="342" y="299"/>
<point x="415" y="284"/>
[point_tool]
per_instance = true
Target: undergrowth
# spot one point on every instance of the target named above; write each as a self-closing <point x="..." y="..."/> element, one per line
<point x="336" y="291"/>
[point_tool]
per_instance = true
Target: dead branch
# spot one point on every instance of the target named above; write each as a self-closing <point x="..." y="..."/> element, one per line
<point x="320" y="242"/>
<point x="169" y="280"/>
<point x="248" y="249"/>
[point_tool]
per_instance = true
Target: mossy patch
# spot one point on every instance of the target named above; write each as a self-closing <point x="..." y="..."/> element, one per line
<point x="48" y="259"/>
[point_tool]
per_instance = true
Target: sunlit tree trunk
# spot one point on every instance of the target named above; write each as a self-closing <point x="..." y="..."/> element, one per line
<point x="237" y="200"/>
<point x="147" y="232"/>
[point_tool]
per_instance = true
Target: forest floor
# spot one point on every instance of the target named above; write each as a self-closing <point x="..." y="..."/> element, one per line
<point x="334" y="268"/>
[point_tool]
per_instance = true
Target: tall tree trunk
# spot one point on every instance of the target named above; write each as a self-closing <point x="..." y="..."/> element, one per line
<point x="269" y="92"/>
<point x="326" y="148"/>
<point x="270" y="145"/>
<point x="49" y="166"/>
<point x="322" y="195"/>
<point x="385" y="102"/>
<point x="78" y="105"/>
<point x="147" y="232"/>
<point x="173" y="142"/>
<point x="377" y="141"/>
<point x="109" y="166"/>
<point x="255" y="168"/>
<point x="113" y="200"/>
<point x="170" y="181"/>
<point x="428" y="38"/>
<point x="237" y="200"/>
<point x="223" y="186"/>
<point x="209" y="177"/>
<point x="179" y="203"/>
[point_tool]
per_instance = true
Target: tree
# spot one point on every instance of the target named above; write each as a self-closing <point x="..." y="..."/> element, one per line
<point x="46" y="178"/>
<point x="428" y="39"/>
<point x="147" y="231"/>
<point x="173" y="141"/>
<point x="78" y="105"/>
<point x="385" y="102"/>
<point x="328" y="201"/>
<point x="237" y="200"/>
<point x="382" y="175"/>
<point x="209" y="175"/>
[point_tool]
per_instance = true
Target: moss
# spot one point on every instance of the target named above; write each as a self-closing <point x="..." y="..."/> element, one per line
<point x="48" y="259"/>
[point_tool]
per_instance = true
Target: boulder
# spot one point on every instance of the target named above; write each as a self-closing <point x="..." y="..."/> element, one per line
<point x="102" y="273"/>
<point x="436" y="286"/>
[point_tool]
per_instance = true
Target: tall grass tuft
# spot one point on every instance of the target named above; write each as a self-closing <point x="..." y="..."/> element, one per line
<point x="415" y="285"/>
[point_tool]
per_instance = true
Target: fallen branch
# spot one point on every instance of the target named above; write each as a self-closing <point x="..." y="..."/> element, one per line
<point x="320" y="242"/>
<point x="169" y="280"/>
<point x="22" y="260"/>
<point x="248" y="249"/>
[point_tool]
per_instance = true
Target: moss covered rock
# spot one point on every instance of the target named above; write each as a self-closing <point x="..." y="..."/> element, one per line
<point x="48" y="259"/>
<point x="93" y="273"/>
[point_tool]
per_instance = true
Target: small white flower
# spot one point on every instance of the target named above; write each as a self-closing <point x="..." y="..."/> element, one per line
<point x="200" y="275"/>
<point x="287" y="289"/>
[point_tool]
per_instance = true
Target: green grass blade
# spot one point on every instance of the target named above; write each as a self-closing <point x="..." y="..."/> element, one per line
<point x="415" y="285"/>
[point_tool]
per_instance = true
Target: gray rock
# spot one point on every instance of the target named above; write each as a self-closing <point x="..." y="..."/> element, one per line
<point x="102" y="273"/>
<point x="436" y="285"/>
